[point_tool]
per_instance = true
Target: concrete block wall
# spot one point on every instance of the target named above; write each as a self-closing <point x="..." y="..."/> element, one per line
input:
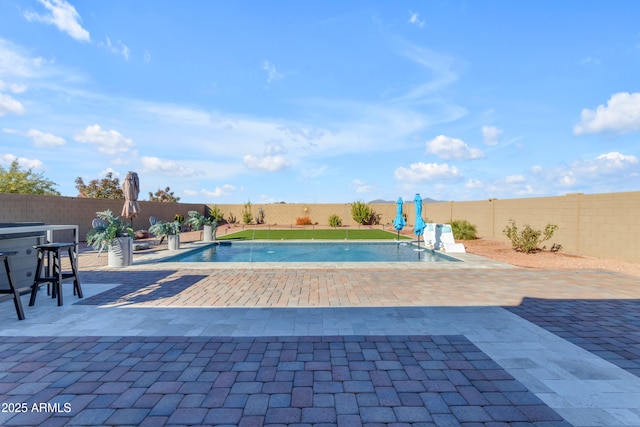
<point x="285" y="214"/>
<point x="600" y="225"/>
<point x="81" y="211"/>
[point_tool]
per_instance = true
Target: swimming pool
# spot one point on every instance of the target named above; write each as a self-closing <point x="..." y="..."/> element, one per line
<point x="311" y="252"/>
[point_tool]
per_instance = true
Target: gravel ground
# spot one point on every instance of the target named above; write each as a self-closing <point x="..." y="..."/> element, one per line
<point x="502" y="251"/>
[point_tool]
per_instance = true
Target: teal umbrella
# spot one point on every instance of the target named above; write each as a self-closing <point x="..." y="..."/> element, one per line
<point x="399" y="222"/>
<point x="418" y="228"/>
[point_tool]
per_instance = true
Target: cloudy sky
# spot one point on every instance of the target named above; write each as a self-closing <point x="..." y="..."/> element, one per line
<point x="325" y="101"/>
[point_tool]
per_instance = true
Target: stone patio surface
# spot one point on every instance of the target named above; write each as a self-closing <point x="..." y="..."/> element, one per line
<point x="313" y="345"/>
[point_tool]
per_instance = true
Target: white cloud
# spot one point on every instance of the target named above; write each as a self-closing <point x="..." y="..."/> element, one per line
<point x="146" y="56"/>
<point x="514" y="179"/>
<point x="9" y="105"/>
<point x="605" y="167"/>
<point x="14" y="87"/>
<point x="452" y="148"/>
<point x="25" y="163"/>
<point x="620" y="115"/>
<point x="108" y="142"/>
<point x="111" y="171"/>
<point x="274" y="148"/>
<point x="265" y="163"/>
<point x="604" y="172"/>
<point x="617" y="160"/>
<point x="360" y="186"/>
<point x="63" y="15"/>
<point x="272" y="71"/>
<point x="225" y="190"/>
<point x="512" y="185"/>
<point x="307" y="135"/>
<point x="419" y="172"/>
<point x="15" y="63"/>
<point x="311" y="173"/>
<point x="165" y="167"/>
<point x="443" y="75"/>
<point x="474" y="184"/>
<point x="42" y="139"/>
<point x="415" y="20"/>
<point x="491" y="135"/>
<point x="118" y="49"/>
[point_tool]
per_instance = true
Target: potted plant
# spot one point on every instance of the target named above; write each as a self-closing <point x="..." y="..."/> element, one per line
<point x="170" y="229"/>
<point x="208" y="224"/>
<point x="111" y="233"/>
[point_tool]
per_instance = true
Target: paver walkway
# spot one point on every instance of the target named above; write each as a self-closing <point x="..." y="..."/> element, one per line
<point x="259" y="346"/>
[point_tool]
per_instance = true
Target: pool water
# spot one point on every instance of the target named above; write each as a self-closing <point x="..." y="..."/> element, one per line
<point x="311" y="252"/>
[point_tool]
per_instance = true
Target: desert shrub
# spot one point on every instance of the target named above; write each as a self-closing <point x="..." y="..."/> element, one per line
<point x="463" y="230"/>
<point x="247" y="216"/>
<point x="335" y="221"/>
<point x="232" y="218"/>
<point x="303" y="220"/>
<point x="216" y="213"/>
<point x="261" y="216"/>
<point x="363" y="214"/>
<point x="528" y="240"/>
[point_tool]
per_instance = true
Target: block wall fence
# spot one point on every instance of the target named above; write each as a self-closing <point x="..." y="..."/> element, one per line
<point x="599" y="225"/>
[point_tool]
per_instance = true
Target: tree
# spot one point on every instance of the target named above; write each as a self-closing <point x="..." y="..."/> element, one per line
<point x="106" y="188"/>
<point x="16" y="180"/>
<point x="165" y="196"/>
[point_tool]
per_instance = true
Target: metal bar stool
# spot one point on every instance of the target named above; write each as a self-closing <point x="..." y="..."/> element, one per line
<point x="55" y="269"/>
<point x="13" y="291"/>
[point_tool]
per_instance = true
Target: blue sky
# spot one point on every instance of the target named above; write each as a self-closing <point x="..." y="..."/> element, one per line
<point x="330" y="101"/>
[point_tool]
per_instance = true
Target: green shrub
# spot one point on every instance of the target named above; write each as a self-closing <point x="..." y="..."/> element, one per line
<point x="528" y="240"/>
<point x="232" y="218"/>
<point x="247" y="216"/>
<point x="335" y="221"/>
<point x="363" y="214"/>
<point x="463" y="230"/>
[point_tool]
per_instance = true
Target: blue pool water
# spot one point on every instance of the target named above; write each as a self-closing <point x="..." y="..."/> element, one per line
<point x="311" y="252"/>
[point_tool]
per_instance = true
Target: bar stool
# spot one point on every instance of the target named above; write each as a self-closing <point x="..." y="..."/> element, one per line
<point x="12" y="289"/>
<point x="53" y="253"/>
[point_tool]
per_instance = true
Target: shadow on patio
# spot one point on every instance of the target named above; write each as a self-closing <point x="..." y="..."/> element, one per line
<point x="136" y="286"/>
<point x="608" y="328"/>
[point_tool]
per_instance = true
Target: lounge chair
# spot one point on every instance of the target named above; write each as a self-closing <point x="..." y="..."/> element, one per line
<point x="430" y="235"/>
<point x="449" y="243"/>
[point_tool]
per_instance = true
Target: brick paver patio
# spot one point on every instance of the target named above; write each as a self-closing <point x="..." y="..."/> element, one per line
<point x="473" y="347"/>
<point x="344" y="381"/>
<point x="609" y="329"/>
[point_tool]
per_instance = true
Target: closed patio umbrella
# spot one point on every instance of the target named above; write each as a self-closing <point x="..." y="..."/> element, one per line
<point x="399" y="222"/>
<point x="420" y="225"/>
<point x="131" y="189"/>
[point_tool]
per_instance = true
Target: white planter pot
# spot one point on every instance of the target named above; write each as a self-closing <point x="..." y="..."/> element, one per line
<point x="208" y="233"/>
<point x="120" y="252"/>
<point x="174" y="242"/>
